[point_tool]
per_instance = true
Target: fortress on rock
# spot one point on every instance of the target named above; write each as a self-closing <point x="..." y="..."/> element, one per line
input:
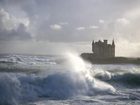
<point x="104" y="53"/>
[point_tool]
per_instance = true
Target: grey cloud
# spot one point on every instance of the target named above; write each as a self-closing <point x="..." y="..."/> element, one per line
<point x="56" y="20"/>
<point x="44" y="13"/>
<point x="15" y="34"/>
<point x="10" y="29"/>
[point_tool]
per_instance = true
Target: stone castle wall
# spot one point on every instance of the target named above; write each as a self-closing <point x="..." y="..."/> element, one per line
<point x="103" y="49"/>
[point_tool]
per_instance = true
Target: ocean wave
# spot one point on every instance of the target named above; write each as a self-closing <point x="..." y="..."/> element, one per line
<point x="125" y="79"/>
<point x="17" y="88"/>
<point x="26" y="59"/>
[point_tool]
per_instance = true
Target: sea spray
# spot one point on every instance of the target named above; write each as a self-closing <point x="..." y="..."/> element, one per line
<point x="83" y="70"/>
<point x="75" y="79"/>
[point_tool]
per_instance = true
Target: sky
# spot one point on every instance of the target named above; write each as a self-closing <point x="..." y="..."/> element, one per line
<point x="54" y="26"/>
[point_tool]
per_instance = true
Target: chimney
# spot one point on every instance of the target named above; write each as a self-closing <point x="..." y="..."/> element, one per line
<point x="105" y="41"/>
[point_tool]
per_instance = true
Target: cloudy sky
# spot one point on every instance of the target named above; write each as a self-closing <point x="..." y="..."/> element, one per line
<point x="52" y="26"/>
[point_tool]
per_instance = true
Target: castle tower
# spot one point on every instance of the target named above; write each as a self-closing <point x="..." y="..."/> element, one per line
<point x="113" y="48"/>
<point x="113" y="43"/>
<point x="93" y="46"/>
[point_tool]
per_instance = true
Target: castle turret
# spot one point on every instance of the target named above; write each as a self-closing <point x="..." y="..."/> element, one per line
<point x="93" y="46"/>
<point x="113" y="48"/>
<point x="113" y="44"/>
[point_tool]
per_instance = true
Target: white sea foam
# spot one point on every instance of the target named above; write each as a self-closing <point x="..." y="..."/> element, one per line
<point x="75" y="78"/>
<point x="83" y="69"/>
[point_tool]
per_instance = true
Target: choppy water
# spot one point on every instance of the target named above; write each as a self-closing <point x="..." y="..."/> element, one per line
<point x="66" y="80"/>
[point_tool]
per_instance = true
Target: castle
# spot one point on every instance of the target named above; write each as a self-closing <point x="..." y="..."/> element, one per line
<point x="103" y="49"/>
<point x="104" y="53"/>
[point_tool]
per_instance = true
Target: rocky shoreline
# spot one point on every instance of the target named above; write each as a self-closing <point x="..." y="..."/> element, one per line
<point x="112" y="60"/>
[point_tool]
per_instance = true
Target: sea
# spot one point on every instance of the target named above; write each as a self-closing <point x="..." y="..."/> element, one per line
<point x="66" y="80"/>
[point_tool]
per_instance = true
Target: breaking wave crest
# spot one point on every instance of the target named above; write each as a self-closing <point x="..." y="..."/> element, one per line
<point x="124" y="78"/>
<point x="130" y="79"/>
<point x="17" y="88"/>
